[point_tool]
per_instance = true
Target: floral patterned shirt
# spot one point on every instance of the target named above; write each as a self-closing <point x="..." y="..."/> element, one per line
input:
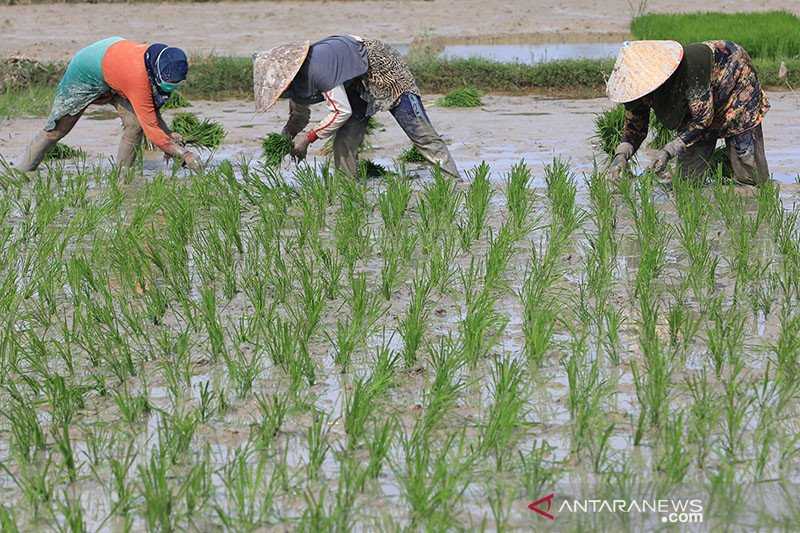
<point x="733" y="103"/>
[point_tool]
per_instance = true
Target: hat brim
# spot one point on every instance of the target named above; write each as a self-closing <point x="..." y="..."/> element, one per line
<point x="641" y="68"/>
<point x="274" y="70"/>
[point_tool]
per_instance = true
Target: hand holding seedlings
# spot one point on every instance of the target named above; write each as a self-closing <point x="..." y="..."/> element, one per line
<point x="300" y="148"/>
<point x="620" y="161"/>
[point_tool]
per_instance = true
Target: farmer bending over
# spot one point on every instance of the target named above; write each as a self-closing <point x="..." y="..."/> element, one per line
<point x="136" y="79"/>
<point x="705" y="91"/>
<point x="355" y="78"/>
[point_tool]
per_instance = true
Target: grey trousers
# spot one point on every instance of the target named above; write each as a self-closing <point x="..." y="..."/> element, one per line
<point x="412" y="118"/>
<point x="745" y="153"/>
<point x="44" y="140"/>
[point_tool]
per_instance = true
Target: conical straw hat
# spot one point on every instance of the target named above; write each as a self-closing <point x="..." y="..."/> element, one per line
<point x="274" y="70"/>
<point x="641" y="68"/>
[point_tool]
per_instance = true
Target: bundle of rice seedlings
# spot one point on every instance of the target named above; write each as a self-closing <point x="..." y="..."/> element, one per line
<point x="464" y="97"/>
<point x="609" y="124"/>
<point x="196" y="132"/>
<point x="176" y="101"/>
<point x="412" y="155"/>
<point x="608" y="128"/>
<point x="370" y="169"/>
<point x="62" y="151"/>
<point x="275" y="147"/>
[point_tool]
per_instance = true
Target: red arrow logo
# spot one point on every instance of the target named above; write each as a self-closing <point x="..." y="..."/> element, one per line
<point x="535" y="506"/>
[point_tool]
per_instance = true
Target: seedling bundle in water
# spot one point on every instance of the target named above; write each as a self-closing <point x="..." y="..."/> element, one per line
<point x="62" y="151"/>
<point x="412" y="155"/>
<point x="275" y="147"/>
<point x="203" y="133"/>
<point x="466" y="97"/>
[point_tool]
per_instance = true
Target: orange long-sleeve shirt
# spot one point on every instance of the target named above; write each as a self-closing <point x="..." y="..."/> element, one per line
<point x="124" y="71"/>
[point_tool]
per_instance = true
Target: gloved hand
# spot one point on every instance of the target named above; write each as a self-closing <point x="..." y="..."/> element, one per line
<point x="620" y="161"/>
<point x="300" y="149"/>
<point x="192" y="161"/>
<point x="663" y="156"/>
<point x="659" y="163"/>
<point x="176" y="137"/>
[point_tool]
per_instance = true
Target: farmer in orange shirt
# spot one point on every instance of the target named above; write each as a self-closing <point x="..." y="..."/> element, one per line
<point x="137" y="79"/>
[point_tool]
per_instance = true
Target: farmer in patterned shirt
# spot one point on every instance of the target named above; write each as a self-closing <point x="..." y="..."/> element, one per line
<point x="355" y="78"/>
<point x="704" y="91"/>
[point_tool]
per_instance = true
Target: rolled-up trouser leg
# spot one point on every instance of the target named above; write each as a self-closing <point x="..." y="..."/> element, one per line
<point x="346" y="143"/>
<point x="694" y="163"/>
<point x="748" y="160"/>
<point x="131" y="132"/>
<point x="411" y="116"/>
<point x="45" y="140"/>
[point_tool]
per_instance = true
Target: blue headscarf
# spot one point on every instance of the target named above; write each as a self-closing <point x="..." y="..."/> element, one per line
<point x="165" y="65"/>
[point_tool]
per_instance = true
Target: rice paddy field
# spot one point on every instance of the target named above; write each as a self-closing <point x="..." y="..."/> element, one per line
<point x="239" y="350"/>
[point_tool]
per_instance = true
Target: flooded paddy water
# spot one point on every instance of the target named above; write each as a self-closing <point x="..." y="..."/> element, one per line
<point x="244" y="350"/>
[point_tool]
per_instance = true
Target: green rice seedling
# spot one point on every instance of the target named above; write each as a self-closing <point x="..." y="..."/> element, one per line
<point x="317" y="442"/>
<point x="358" y="407"/>
<point x="393" y="253"/>
<point x="507" y="409"/>
<point x="308" y="312"/>
<point x="243" y="369"/>
<point x="438" y="208"/>
<point x="249" y="494"/>
<point x="447" y="359"/>
<point x="273" y="411"/>
<point x="123" y="493"/>
<point x="60" y="434"/>
<point x="352" y="232"/>
<point x="332" y="271"/>
<point x="176" y="101"/>
<point x="476" y="204"/>
<point x="482" y="326"/>
<point x="393" y="201"/>
<point x="725" y="335"/>
<point x="561" y="192"/>
<point x="703" y="416"/>
<point x="131" y="407"/>
<point x="61" y="151"/>
<point x="198" y="488"/>
<point x="175" y="434"/>
<point x="653" y="379"/>
<point x="441" y="259"/>
<point x="412" y="155"/>
<point x="501" y="250"/>
<point x="737" y="411"/>
<point x="694" y="235"/>
<point x="787" y="346"/>
<point x="683" y="325"/>
<point x="536" y="472"/>
<point x="71" y="510"/>
<point x="587" y="389"/>
<point x="379" y="447"/>
<point x="34" y="482"/>
<point x="464" y="97"/>
<point x="414" y="324"/>
<point x="520" y="198"/>
<point x="216" y="333"/>
<point x="196" y="132"/>
<point x="434" y="478"/>
<point x="159" y="501"/>
<point x="673" y="458"/>
<point x="27" y="437"/>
